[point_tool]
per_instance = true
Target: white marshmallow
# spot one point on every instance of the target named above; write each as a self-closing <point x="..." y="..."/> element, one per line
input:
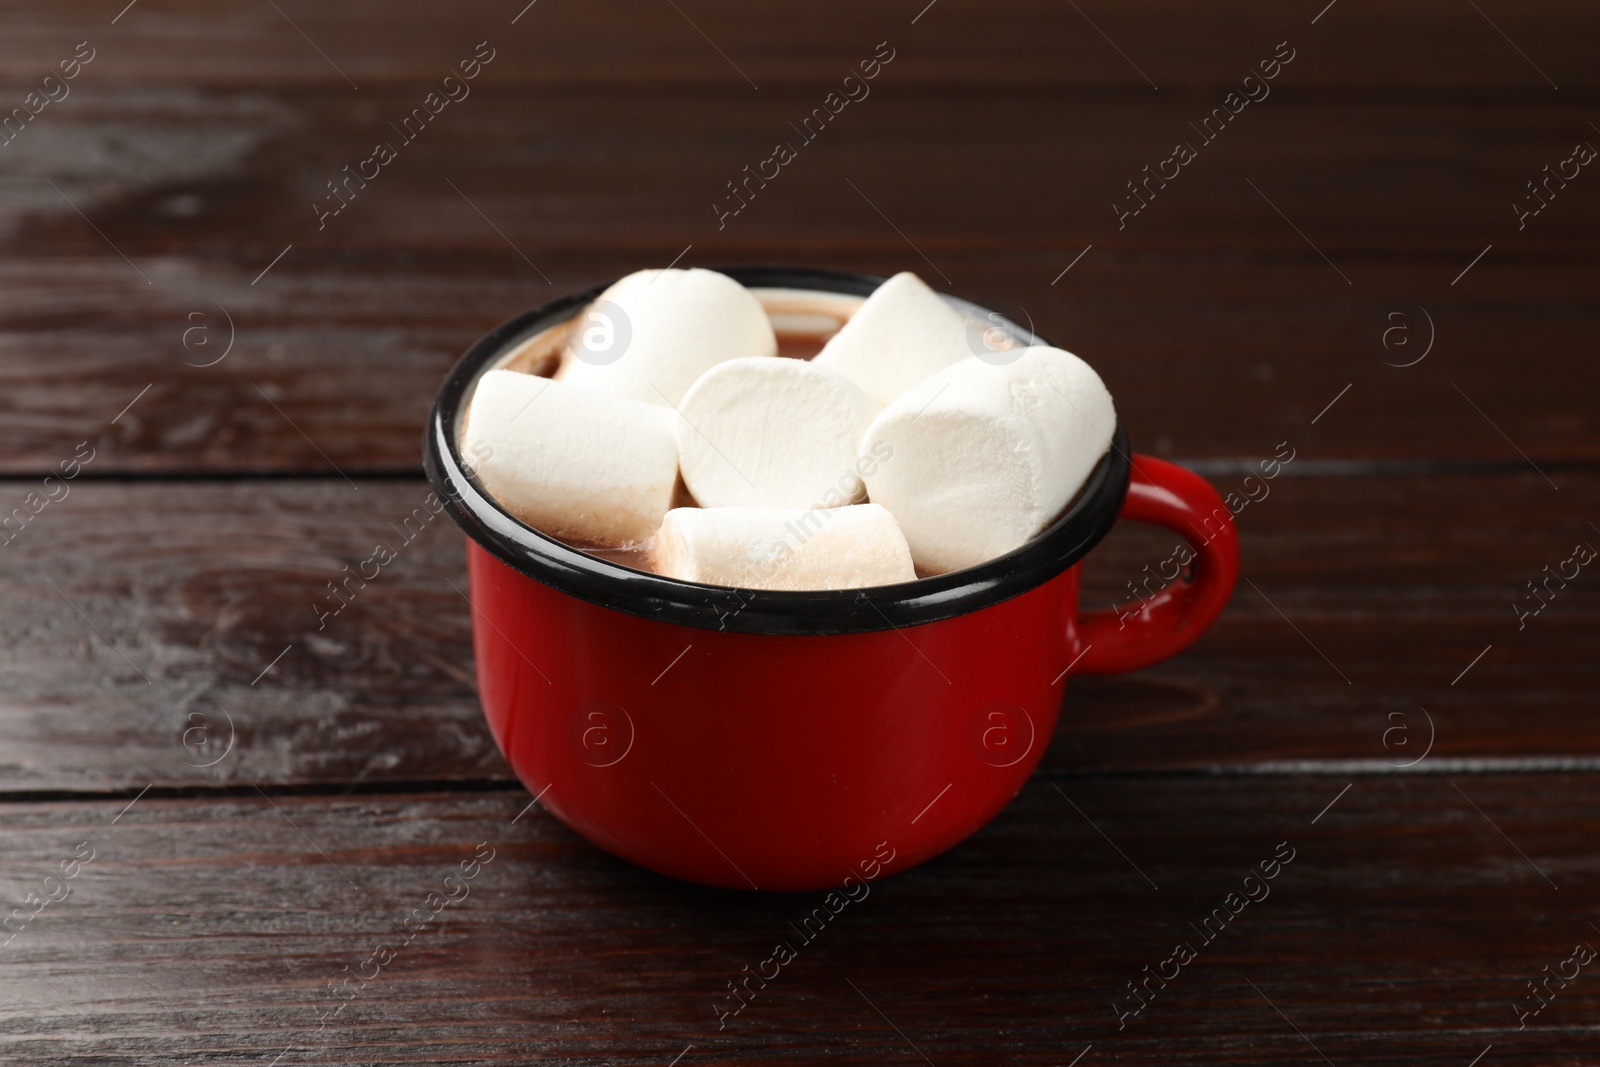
<point x="985" y="456"/>
<point x="772" y="433"/>
<point x="769" y="548"/>
<point x="903" y="333"/>
<point x="571" y="462"/>
<point x="651" y="334"/>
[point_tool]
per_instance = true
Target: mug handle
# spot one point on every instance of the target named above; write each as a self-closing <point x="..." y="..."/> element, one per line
<point x="1165" y="494"/>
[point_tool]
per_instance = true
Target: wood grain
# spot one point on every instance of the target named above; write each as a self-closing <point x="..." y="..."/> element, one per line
<point x="1216" y="290"/>
<point x="1421" y="45"/>
<point x="163" y="660"/>
<point x="212" y="930"/>
<point x="188" y="591"/>
<point x="1210" y="364"/>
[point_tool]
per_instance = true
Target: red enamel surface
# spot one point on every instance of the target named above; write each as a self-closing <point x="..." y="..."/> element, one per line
<point x="783" y="762"/>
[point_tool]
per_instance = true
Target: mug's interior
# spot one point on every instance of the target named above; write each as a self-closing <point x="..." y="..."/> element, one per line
<point x="627" y="588"/>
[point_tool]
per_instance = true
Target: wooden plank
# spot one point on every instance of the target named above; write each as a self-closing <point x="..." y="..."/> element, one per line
<point x="1029" y="42"/>
<point x="234" y="177"/>
<point x="169" y="600"/>
<point x="1403" y="930"/>
<point x="337" y="369"/>
<point x="1384" y="612"/>
<point x="197" y="590"/>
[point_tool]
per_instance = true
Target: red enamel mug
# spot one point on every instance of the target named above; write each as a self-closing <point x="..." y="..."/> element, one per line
<point x="780" y="740"/>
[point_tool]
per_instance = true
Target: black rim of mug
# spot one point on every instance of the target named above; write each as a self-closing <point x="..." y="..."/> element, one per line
<point x="754" y="611"/>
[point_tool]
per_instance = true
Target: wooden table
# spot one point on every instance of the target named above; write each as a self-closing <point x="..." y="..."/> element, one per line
<point x="263" y="802"/>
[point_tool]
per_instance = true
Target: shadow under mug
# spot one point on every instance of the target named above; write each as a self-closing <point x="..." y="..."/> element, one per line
<point x="780" y="740"/>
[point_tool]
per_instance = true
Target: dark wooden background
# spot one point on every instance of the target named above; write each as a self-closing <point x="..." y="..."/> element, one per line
<point x="142" y="611"/>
